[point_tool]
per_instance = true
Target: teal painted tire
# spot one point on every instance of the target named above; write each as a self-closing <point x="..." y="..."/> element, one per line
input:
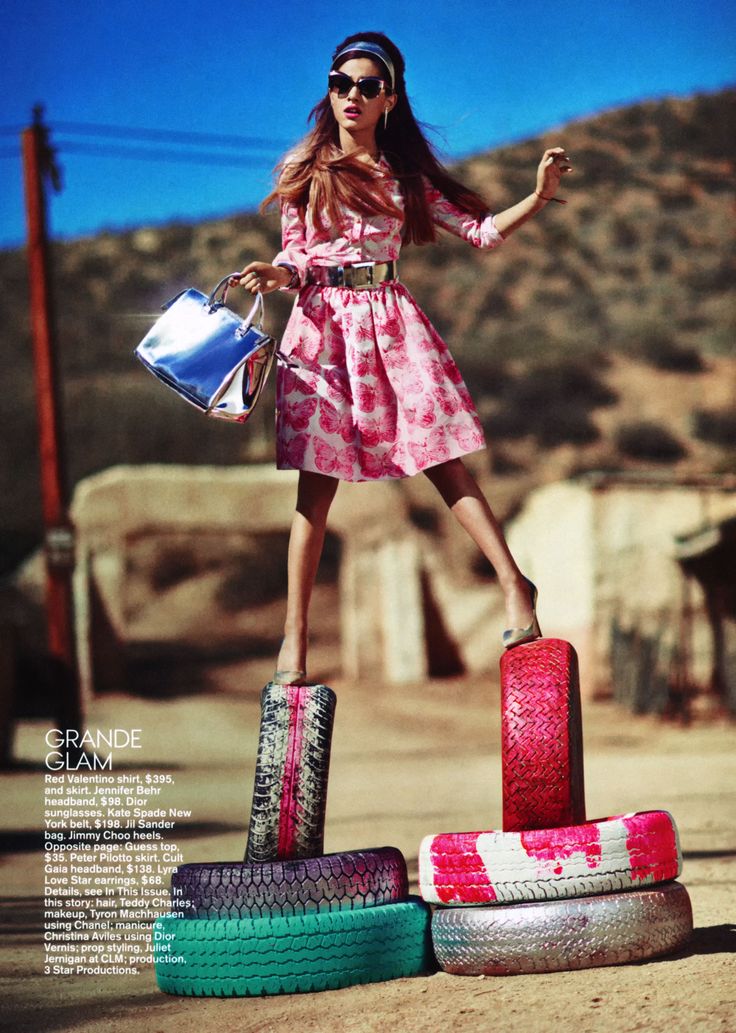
<point x="252" y="957"/>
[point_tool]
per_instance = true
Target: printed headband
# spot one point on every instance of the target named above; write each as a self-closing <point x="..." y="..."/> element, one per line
<point x="369" y="48"/>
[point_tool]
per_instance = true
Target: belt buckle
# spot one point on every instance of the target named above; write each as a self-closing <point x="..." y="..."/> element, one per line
<point x="368" y="269"/>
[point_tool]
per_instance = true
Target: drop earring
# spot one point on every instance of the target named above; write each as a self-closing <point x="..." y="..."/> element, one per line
<point x="385" y="118"/>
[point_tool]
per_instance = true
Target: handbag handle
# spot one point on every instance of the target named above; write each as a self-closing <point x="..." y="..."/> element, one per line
<point x="223" y="285"/>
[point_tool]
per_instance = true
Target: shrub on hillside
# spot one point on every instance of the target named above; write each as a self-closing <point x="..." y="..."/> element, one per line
<point x="504" y="465"/>
<point x="712" y="127"/>
<point x="553" y="403"/>
<point x="176" y="237"/>
<point x="564" y="382"/>
<point x="650" y="441"/>
<point x="624" y="233"/>
<point x="601" y="165"/>
<point x="713" y="278"/>
<point x="659" y="350"/>
<point x="716" y="427"/>
<point x="660" y="261"/>
<point x="566" y="424"/>
<point x="485" y="377"/>
<point x="676" y="199"/>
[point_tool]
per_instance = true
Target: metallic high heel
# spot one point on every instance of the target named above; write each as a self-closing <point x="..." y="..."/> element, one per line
<point x="290" y="678"/>
<point x="287" y="677"/>
<point x="517" y="636"/>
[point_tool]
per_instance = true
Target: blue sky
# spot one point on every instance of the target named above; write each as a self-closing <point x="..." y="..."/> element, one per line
<point x="482" y="73"/>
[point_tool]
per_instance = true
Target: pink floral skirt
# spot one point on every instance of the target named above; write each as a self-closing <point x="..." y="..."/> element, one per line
<point x="370" y="391"/>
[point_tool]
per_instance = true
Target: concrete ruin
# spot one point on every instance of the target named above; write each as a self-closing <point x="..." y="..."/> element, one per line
<point x="637" y="571"/>
<point x="606" y="551"/>
<point x="129" y="519"/>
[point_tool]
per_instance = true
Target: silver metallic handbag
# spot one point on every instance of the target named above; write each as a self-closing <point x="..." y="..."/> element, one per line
<point x="209" y="355"/>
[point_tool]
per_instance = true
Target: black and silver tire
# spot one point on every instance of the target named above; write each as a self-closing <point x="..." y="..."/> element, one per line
<point x="290" y="789"/>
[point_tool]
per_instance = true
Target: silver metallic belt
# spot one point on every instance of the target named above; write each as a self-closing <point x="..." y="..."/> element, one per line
<point x="358" y="276"/>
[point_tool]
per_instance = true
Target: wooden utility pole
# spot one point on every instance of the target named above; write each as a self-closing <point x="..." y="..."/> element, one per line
<point x="39" y="165"/>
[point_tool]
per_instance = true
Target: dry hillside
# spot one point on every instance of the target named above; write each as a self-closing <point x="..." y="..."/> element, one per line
<point x="600" y="336"/>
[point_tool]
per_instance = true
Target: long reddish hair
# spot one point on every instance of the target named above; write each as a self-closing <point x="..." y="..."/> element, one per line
<point x="317" y="174"/>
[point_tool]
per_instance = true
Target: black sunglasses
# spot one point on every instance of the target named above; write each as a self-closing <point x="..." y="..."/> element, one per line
<point x="369" y="85"/>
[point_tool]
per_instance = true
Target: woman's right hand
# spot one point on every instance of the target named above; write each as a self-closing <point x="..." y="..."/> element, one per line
<point x="261" y="278"/>
<point x="554" y="164"/>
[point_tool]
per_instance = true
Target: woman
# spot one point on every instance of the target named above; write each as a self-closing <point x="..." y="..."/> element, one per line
<point x="370" y="390"/>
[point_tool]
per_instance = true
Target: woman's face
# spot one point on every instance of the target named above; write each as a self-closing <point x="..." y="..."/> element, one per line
<point x="355" y="113"/>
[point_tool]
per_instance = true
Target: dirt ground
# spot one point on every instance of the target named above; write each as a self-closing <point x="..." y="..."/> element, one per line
<point x="407" y="761"/>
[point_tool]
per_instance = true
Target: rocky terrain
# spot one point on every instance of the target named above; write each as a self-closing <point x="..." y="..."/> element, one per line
<point x="601" y="335"/>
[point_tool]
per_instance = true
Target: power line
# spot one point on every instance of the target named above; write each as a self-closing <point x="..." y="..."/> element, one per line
<point x="146" y="154"/>
<point x="170" y="135"/>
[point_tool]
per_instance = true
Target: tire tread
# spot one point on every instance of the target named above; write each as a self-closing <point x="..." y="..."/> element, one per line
<point x="281" y="888"/>
<point x="252" y="957"/>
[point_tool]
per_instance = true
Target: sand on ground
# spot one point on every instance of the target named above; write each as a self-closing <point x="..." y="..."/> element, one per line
<point x="406" y="761"/>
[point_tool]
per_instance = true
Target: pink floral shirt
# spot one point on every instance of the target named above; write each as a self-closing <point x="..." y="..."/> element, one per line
<point x="373" y="238"/>
<point x="366" y="387"/>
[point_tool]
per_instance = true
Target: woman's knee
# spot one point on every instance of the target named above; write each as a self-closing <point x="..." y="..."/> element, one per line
<point x="445" y="472"/>
<point x="316" y="492"/>
<point x="453" y="481"/>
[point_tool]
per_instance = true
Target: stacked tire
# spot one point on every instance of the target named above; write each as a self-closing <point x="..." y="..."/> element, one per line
<point x="552" y="891"/>
<point x="289" y="917"/>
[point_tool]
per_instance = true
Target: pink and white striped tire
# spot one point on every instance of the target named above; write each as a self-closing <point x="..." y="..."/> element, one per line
<point x="290" y="788"/>
<point x="562" y="934"/>
<point x="541" y="737"/>
<point x="603" y="856"/>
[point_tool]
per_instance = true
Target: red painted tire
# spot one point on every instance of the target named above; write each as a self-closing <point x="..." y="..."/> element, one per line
<point x="541" y="737"/>
<point x="603" y="856"/>
<point x="290" y="791"/>
<point x="563" y="934"/>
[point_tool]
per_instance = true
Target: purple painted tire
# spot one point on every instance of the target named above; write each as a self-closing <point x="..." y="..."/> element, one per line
<point x="332" y="882"/>
<point x="562" y="934"/>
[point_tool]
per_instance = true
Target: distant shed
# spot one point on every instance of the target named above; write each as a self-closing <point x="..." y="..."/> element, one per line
<point x="639" y="573"/>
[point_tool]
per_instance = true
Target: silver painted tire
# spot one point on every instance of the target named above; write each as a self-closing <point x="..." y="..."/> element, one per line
<point x="562" y="934"/>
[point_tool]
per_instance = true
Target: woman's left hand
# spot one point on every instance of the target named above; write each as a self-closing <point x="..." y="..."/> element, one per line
<point x="554" y="165"/>
<point x="261" y="277"/>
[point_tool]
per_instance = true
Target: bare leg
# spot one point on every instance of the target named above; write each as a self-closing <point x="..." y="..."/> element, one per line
<point x="460" y="491"/>
<point x="314" y="498"/>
